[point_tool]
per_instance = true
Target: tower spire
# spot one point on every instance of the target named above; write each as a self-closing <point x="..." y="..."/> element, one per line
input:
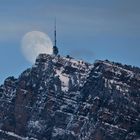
<point x="55" y="32"/>
<point x="55" y="49"/>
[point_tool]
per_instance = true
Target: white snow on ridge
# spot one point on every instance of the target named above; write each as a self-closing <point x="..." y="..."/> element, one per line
<point x="16" y="136"/>
<point x="78" y="76"/>
<point x="58" y="131"/>
<point x="64" y="79"/>
<point x="115" y="66"/>
<point x="115" y="126"/>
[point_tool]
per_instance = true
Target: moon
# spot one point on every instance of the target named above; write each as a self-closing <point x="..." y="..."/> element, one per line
<point x="34" y="43"/>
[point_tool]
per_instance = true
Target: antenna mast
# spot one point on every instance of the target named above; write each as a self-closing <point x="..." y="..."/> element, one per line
<point x="55" y="33"/>
<point x="55" y="49"/>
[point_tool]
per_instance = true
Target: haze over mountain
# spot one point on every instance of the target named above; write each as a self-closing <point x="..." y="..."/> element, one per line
<point x="60" y="98"/>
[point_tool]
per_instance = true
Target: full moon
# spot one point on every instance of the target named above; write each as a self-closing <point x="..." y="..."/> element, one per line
<point x="34" y="43"/>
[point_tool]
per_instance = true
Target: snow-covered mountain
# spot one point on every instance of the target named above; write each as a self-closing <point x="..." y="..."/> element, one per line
<point x="60" y="98"/>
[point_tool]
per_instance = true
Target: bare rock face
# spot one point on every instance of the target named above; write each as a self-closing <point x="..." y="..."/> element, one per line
<point x="60" y="98"/>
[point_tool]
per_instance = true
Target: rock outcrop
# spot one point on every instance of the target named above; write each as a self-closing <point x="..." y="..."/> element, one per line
<point x="60" y="98"/>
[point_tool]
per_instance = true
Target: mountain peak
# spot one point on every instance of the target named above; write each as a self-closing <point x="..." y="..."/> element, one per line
<point x="67" y="69"/>
<point x="63" y="98"/>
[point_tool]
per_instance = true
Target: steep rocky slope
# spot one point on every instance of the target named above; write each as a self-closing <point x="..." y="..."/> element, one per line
<point x="63" y="99"/>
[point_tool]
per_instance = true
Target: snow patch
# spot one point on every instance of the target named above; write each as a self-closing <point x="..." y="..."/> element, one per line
<point x="16" y="136"/>
<point x="58" y="131"/>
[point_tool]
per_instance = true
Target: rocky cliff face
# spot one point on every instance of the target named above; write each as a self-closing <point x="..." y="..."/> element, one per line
<point x="63" y="99"/>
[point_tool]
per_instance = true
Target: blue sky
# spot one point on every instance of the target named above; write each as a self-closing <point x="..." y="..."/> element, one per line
<point x="86" y="29"/>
